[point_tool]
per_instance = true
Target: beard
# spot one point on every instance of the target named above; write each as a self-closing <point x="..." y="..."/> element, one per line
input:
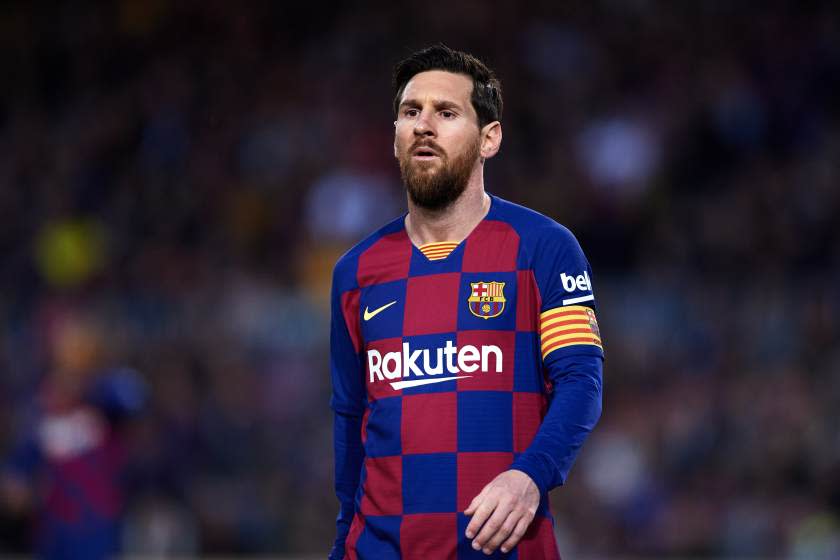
<point x="434" y="185"/>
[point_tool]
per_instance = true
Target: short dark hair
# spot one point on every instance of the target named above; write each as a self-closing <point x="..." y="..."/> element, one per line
<point x="487" y="89"/>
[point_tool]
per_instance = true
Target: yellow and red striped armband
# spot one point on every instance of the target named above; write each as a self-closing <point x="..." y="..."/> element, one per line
<point x="567" y="326"/>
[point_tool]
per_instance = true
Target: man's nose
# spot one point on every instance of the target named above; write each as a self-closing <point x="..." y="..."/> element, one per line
<point x="423" y="126"/>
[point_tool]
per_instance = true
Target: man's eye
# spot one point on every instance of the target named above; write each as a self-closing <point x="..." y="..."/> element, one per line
<point x="447" y="114"/>
<point x="410" y="112"/>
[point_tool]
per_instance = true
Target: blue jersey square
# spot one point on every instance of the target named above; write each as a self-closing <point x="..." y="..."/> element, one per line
<point x="429" y="483"/>
<point x="433" y="361"/>
<point x="485" y="421"/>
<point x="377" y="538"/>
<point x="382" y="308"/>
<point x="485" y="314"/>
<point x="383" y="428"/>
<point x="527" y="366"/>
<point x="420" y="265"/>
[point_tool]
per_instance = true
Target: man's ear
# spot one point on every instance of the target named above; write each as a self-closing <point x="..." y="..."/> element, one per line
<point x="491" y="139"/>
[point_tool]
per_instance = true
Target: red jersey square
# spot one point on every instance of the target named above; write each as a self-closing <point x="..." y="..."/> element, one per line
<point x="431" y="304"/>
<point x="528" y="411"/>
<point x="484" y="364"/>
<point x="429" y="536"/>
<point x="539" y="541"/>
<point x="356" y="528"/>
<point x="383" y="486"/>
<point x="383" y="368"/>
<point x="386" y="260"/>
<point x="350" y="312"/>
<point x="528" y="301"/>
<point x="491" y="247"/>
<point x="430" y="423"/>
<point x="475" y="471"/>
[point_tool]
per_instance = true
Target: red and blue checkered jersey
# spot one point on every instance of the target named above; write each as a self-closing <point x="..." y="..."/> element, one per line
<point x="71" y="452"/>
<point x="443" y="375"/>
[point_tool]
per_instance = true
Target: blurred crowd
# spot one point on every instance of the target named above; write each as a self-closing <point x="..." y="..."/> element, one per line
<point x="185" y="174"/>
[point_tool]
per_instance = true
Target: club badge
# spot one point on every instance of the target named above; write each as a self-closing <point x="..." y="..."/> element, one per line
<point x="487" y="299"/>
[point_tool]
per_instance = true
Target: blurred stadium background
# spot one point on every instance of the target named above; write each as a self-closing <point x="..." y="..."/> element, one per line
<point x="184" y="174"/>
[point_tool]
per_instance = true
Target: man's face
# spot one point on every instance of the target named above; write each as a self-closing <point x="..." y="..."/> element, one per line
<point x="437" y="137"/>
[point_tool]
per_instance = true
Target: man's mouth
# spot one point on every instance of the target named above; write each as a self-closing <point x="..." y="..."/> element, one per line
<point x="424" y="154"/>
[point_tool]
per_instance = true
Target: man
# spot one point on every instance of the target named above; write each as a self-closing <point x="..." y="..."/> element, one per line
<point x="465" y="355"/>
<point x="68" y="465"/>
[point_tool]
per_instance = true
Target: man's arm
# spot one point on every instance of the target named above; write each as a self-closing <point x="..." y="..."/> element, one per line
<point x="349" y="455"/>
<point x="16" y="474"/>
<point x="574" y="410"/>
<point x="347" y="402"/>
<point x="506" y="506"/>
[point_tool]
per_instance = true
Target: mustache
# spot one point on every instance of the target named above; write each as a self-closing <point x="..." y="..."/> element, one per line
<point x="427" y="144"/>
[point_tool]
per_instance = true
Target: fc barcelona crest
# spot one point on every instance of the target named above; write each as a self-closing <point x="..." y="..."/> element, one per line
<point x="487" y="299"/>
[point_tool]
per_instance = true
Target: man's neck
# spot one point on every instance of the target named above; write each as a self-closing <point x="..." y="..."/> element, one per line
<point x="453" y="223"/>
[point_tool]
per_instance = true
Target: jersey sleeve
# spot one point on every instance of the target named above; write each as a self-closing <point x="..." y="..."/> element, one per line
<point x="572" y="354"/>
<point x="568" y="323"/>
<point x="348" y="391"/>
<point x="24" y="458"/>
<point x="348" y="404"/>
<point x="119" y="393"/>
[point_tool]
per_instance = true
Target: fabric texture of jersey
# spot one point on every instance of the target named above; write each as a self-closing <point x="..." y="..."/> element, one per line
<point x="440" y="381"/>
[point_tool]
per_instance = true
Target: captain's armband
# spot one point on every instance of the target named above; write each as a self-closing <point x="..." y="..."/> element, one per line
<point x="571" y="325"/>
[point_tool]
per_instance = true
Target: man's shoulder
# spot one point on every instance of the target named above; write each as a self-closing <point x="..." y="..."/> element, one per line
<point x="346" y="265"/>
<point x="532" y="226"/>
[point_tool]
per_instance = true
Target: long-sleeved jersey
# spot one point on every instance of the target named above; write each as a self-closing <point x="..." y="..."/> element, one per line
<point x="451" y="365"/>
<point x="72" y="455"/>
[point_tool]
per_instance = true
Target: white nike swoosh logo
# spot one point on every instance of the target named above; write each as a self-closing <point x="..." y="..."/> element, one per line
<point x="397" y="385"/>
<point x="371" y="314"/>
